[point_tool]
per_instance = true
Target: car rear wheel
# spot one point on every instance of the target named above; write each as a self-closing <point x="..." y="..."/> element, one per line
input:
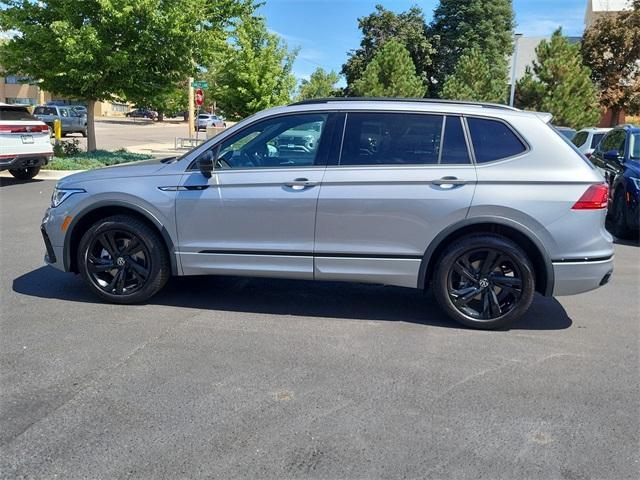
<point x="123" y="260"/>
<point x="484" y="281"/>
<point x="26" y="173"/>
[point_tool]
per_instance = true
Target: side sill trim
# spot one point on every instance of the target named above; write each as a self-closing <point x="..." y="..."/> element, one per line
<point x="308" y="254"/>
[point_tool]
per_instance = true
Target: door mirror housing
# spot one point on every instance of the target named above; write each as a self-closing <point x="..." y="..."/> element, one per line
<point x="205" y="164"/>
<point x="612" y="155"/>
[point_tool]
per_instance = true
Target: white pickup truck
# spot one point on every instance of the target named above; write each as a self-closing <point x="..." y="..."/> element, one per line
<point x="25" y="142"/>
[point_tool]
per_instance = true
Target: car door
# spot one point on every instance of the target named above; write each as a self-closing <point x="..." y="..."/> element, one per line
<point x="256" y="214"/>
<point x="610" y="168"/>
<point x="401" y="179"/>
<point x="66" y="119"/>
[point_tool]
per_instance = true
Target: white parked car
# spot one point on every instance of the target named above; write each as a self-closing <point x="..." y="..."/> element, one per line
<point x="205" y="120"/>
<point x="25" y="143"/>
<point x="588" y="139"/>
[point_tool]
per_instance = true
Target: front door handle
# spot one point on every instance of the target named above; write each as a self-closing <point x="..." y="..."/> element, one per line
<point x="301" y="184"/>
<point x="448" y="182"/>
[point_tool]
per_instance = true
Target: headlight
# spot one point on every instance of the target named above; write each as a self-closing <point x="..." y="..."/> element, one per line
<point x="636" y="182"/>
<point x="61" y="194"/>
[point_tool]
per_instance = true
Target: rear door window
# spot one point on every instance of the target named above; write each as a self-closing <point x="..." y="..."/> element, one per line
<point x="580" y="138"/>
<point x="391" y="139"/>
<point x="493" y="140"/>
<point x="15" y="114"/>
<point x="454" y="145"/>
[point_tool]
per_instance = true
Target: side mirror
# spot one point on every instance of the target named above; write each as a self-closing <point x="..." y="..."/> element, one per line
<point x="205" y="164"/>
<point x="612" y="155"/>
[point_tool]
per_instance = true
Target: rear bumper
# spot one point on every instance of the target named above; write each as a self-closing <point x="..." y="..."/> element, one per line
<point x="24" y="160"/>
<point x="575" y="277"/>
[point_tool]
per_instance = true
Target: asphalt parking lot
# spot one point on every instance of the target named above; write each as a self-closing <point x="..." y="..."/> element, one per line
<point x="242" y="378"/>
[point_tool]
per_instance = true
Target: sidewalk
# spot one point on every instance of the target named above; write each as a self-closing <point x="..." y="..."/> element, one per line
<point x="159" y="150"/>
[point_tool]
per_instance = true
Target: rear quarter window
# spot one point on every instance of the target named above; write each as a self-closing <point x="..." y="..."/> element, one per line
<point x="15" y="114"/>
<point x="493" y="140"/>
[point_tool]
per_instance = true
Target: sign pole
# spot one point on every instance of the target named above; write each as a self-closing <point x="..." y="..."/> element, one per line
<point x="191" y="117"/>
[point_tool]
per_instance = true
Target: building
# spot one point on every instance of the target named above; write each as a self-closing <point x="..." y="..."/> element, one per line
<point x="17" y="89"/>
<point x="601" y="8"/>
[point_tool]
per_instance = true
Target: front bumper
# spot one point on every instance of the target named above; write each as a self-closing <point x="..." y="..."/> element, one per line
<point x="575" y="277"/>
<point x="24" y="160"/>
<point x="52" y="236"/>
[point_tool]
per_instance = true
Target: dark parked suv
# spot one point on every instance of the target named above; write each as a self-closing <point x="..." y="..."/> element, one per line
<point x="618" y="157"/>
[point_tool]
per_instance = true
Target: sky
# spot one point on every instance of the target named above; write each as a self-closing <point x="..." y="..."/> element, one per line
<point x="325" y="30"/>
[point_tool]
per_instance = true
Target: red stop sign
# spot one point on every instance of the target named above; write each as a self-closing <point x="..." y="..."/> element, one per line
<point x="199" y="97"/>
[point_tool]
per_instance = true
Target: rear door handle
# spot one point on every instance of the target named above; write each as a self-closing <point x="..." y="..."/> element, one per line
<point x="301" y="184"/>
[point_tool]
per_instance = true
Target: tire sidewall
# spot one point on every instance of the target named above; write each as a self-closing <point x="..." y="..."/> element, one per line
<point x="147" y="237"/>
<point x="440" y="284"/>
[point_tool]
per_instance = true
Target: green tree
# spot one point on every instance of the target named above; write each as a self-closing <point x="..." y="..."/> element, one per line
<point x="104" y="49"/>
<point x="391" y="73"/>
<point x="408" y="28"/>
<point x="255" y="73"/>
<point x="476" y="79"/>
<point x="611" y="48"/>
<point x="459" y="25"/>
<point x="561" y="84"/>
<point x="321" y="84"/>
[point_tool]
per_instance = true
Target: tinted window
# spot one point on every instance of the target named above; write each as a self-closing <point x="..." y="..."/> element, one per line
<point x="596" y="139"/>
<point x="580" y="138"/>
<point x="13" y="113"/>
<point x="454" y="145"/>
<point x="493" y="140"/>
<point x="287" y="141"/>
<point x="204" y="116"/>
<point x="45" y="111"/>
<point x="391" y="139"/>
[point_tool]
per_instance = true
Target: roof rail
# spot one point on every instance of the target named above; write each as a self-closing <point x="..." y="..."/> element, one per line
<point x="410" y="100"/>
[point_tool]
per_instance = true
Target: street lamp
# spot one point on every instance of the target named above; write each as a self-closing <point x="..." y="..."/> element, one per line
<point x="514" y="63"/>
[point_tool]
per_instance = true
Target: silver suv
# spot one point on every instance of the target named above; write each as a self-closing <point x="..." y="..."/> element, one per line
<point x="484" y="204"/>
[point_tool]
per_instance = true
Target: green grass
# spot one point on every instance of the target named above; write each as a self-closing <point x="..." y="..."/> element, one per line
<point x="97" y="159"/>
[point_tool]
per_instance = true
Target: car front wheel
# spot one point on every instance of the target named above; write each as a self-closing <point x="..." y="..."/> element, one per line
<point x="123" y="260"/>
<point x="484" y="281"/>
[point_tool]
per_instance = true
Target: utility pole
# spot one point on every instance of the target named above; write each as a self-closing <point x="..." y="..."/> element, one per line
<point x="191" y="112"/>
<point x="514" y="64"/>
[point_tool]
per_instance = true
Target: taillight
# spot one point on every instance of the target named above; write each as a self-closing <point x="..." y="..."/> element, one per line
<point x="23" y="128"/>
<point x="594" y="198"/>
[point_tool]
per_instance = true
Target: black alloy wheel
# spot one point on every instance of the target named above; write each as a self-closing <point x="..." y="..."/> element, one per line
<point x="485" y="284"/>
<point x="484" y="281"/>
<point x="118" y="262"/>
<point x="123" y="259"/>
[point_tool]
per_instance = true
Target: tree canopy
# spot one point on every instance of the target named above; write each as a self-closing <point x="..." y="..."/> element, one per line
<point x="475" y="78"/>
<point x="407" y="28"/>
<point x="390" y="73"/>
<point x="459" y="25"/>
<point x="321" y="84"/>
<point x="100" y="49"/>
<point x="560" y="83"/>
<point x="611" y="49"/>
<point x="255" y="71"/>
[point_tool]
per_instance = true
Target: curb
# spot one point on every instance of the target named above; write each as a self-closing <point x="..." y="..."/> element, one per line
<point x="47" y="174"/>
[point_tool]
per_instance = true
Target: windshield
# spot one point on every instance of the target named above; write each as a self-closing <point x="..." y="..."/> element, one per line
<point x="634" y="146"/>
<point x="15" y="113"/>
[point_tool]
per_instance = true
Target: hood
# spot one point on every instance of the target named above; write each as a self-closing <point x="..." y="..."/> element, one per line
<point x="633" y="167"/>
<point x="132" y="169"/>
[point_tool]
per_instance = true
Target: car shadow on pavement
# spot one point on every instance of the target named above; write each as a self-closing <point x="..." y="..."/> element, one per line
<point x="6" y="181"/>
<point x="290" y="297"/>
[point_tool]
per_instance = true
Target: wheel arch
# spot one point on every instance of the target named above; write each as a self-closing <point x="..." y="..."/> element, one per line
<point x="514" y="231"/>
<point x="95" y="212"/>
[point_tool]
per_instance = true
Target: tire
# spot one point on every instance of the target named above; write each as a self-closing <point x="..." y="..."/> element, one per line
<point x="507" y="281"/>
<point x="118" y="269"/>
<point x="618" y="222"/>
<point x="26" y="173"/>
